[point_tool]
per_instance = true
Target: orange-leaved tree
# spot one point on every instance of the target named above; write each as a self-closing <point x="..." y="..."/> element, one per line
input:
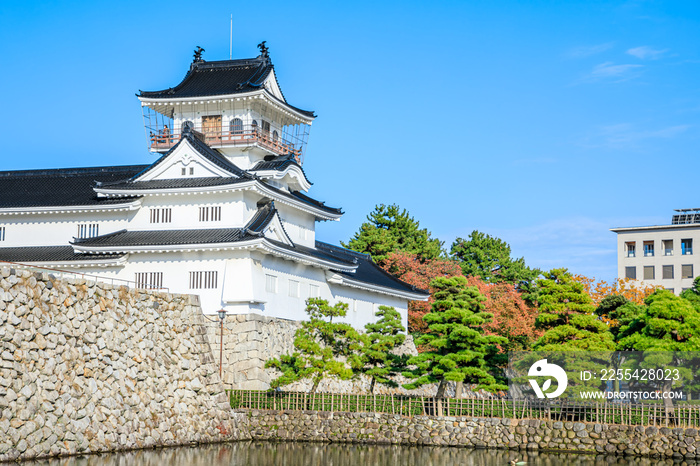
<point x="632" y="290"/>
<point x="513" y="318"/>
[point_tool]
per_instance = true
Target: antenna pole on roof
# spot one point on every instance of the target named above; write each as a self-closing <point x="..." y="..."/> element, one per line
<point x="230" y="43"/>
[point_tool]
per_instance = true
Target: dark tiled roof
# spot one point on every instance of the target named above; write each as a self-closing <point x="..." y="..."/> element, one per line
<point x="304" y="198"/>
<point x="223" y="77"/>
<point x="60" y="187"/>
<point x="124" y="238"/>
<point x="173" y="183"/>
<point x="312" y="252"/>
<point x="49" y="254"/>
<point x="279" y="163"/>
<point x="218" y="78"/>
<point x="261" y="219"/>
<point x="367" y="271"/>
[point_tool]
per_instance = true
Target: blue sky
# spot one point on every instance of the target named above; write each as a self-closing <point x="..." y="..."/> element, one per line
<point x="543" y="123"/>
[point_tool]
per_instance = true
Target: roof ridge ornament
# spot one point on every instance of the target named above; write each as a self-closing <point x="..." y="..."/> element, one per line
<point x="264" y="50"/>
<point x="198" y="55"/>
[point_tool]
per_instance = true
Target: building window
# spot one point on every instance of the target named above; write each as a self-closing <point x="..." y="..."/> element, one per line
<point x="672" y="290"/>
<point x="668" y="247"/>
<point x="648" y="248"/>
<point x="191" y="170"/>
<point x="631" y="273"/>
<point x="631" y="249"/>
<point x="265" y="126"/>
<point x="184" y="171"/>
<point x="236" y="126"/>
<point x="667" y="272"/>
<point x="275" y="136"/>
<point x="293" y="288"/>
<point x="2" y="233"/>
<point x="149" y="280"/>
<point x="271" y="283"/>
<point x="210" y="214"/>
<point x="648" y="272"/>
<point x="686" y="246"/>
<point x="88" y="230"/>
<point x="687" y="271"/>
<point x="161" y="215"/>
<point x="204" y="280"/>
<point x="314" y="291"/>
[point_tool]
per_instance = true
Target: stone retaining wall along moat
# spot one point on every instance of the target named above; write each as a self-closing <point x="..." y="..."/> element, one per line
<point x="472" y="432"/>
<point x="88" y="367"/>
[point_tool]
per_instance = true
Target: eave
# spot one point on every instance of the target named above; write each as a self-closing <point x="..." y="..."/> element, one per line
<point x="342" y="280"/>
<point x="127" y="206"/>
<point x="256" y="94"/>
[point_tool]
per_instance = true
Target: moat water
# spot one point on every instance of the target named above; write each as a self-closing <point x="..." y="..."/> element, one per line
<point x="302" y="454"/>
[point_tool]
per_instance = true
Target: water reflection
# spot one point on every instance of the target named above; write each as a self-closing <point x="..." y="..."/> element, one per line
<point x="318" y="454"/>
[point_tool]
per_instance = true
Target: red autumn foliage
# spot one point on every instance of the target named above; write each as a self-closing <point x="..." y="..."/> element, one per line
<point x="512" y="317"/>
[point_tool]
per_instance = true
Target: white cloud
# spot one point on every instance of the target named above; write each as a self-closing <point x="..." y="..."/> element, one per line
<point x="609" y="71"/>
<point x="626" y="136"/>
<point x="646" y="53"/>
<point x="587" y="51"/>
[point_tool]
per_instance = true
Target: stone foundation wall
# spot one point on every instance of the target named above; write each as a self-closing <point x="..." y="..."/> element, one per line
<point x="88" y="367"/>
<point x="473" y="433"/>
<point x="251" y="339"/>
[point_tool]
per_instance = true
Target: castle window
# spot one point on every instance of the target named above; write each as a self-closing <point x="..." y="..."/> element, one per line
<point x="204" y="280"/>
<point x="210" y="214"/>
<point x="236" y="126"/>
<point x="271" y="283"/>
<point x="191" y="170"/>
<point x="293" y="288"/>
<point x="266" y="126"/>
<point x="314" y="291"/>
<point x="161" y="215"/>
<point x="184" y="171"/>
<point x="88" y="230"/>
<point x="149" y="280"/>
<point x="2" y="233"/>
<point x="275" y="135"/>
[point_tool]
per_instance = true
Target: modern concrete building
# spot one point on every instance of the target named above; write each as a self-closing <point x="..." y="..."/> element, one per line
<point x="222" y="213"/>
<point x="661" y="254"/>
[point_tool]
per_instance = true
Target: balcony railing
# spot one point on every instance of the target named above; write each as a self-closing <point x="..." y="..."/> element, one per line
<point x="162" y="139"/>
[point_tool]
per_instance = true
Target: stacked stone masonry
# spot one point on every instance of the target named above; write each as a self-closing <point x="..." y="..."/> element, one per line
<point x="473" y="433"/>
<point x="88" y="367"/>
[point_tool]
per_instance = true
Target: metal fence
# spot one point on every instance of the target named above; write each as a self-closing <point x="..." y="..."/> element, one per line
<point x="645" y="414"/>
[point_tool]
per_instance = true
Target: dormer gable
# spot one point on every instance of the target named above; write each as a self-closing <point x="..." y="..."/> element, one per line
<point x="190" y="158"/>
<point x="266" y="222"/>
<point x="284" y="170"/>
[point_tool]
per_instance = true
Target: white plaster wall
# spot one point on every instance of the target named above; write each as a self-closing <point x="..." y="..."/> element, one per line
<point x="53" y="229"/>
<point x="675" y="233"/>
<point x="300" y="226"/>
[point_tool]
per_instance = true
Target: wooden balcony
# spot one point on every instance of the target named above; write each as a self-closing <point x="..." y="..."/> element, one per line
<point x="162" y="140"/>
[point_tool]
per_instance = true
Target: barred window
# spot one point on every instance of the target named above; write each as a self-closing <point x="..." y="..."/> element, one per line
<point x="204" y="280"/>
<point x="210" y="214"/>
<point x="314" y="291"/>
<point x="2" y="233"/>
<point x="149" y="280"/>
<point x="271" y="283"/>
<point x="88" y="230"/>
<point x="161" y="215"/>
<point x="236" y="126"/>
<point x="293" y="288"/>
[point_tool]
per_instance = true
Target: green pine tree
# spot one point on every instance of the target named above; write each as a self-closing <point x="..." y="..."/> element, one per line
<point x="323" y="348"/>
<point x="459" y="348"/>
<point x="380" y="338"/>
<point x="391" y="229"/>
<point x="490" y="259"/>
